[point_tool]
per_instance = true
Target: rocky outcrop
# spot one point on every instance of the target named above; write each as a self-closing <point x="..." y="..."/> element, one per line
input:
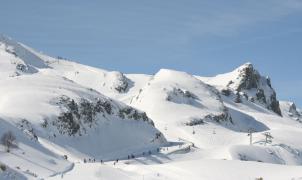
<point x="178" y="95"/>
<point x="254" y="87"/>
<point x="249" y="77"/>
<point x="77" y="116"/>
<point x="293" y="110"/>
<point x="120" y="82"/>
<point x="290" y="110"/>
<point x="218" y="118"/>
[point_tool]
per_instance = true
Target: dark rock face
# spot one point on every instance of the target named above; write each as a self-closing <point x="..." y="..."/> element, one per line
<point x="226" y="92"/>
<point x="122" y="83"/>
<point x="250" y="79"/>
<point x="21" y="68"/>
<point x="195" y="122"/>
<point x="182" y="96"/>
<point x="261" y="96"/>
<point x="67" y="124"/>
<point x="238" y="98"/>
<point x="293" y="110"/>
<point x="78" y="116"/>
<point x="176" y="92"/>
<point x="130" y="113"/>
<point x="268" y="82"/>
<point x="274" y="105"/>
<point x="103" y="106"/>
<point x="218" y="118"/>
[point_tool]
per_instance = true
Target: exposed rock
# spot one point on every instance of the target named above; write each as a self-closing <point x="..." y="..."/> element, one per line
<point x="274" y="105"/>
<point x="121" y="83"/>
<point x="103" y="106"/>
<point x="226" y="92"/>
<point x="181" y="96"/>
<point x="248" y="81"/>
<point x="219" y="118"/>
<point x="130" y="113"/>
<point x="289" y="109"/>
<point x="83" y="114"/>
<point x="21" y="67"/>
<point x="261" y="96"/>
<point x="238" y="98"/>
<point x="293" y="110"/>
<point x="249" y="77"/>
<point x="195" y="121"/>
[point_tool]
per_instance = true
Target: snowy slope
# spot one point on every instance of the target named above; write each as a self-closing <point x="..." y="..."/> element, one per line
<point x="16" y="59"/>
<point x="57" y="107"/>
<point x="112" y="83"/>
<point x="179" y="101"/>
<point x="190" y="170"/>
<point x="37" y="107"/>
<point x="52" y="116"/>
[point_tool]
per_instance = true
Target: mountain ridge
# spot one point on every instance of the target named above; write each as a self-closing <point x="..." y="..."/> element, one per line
<point x="69" y="119"/>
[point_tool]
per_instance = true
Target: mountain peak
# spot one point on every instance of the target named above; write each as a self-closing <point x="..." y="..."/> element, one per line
<point x="246" y="65"/>
<point x="169" y="74"/>
<point x="248" y="77"/>
<point x="248" y="81"/>
<point x="28" y="56"/>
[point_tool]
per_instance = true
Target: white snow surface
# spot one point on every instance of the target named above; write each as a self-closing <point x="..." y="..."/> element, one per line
<point x="198" y="132"/>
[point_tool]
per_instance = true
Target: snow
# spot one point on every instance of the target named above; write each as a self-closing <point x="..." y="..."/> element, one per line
<point x="191" y="170"/>
<point x="245" y="82"/>
<point x="174" y="98"/>
<point x="22" y="52"/>
<point x="290" y="111"/>
<point x="222" y="80"/>
<point x="198" y="132"/>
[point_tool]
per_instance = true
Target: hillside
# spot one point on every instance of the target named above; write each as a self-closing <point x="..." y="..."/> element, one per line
<point x="74" y="121"/>
<point x="52" y="116"/>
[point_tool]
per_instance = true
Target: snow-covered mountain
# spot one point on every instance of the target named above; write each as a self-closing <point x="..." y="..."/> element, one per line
<point x="170" y="125"/>
<point x="179" y="102"/>
<point x="16" y="59"/>
<point x="246" y="83"/>
<point x="52" y="116"/>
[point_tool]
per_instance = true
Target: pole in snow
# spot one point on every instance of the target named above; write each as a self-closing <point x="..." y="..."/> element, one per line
<point x="250" y="133"/>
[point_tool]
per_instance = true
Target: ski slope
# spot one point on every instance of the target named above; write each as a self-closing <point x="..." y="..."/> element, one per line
<point x="170" y="125"/>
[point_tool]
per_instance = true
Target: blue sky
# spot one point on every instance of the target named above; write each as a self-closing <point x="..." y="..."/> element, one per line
<point x="142" y="36"/>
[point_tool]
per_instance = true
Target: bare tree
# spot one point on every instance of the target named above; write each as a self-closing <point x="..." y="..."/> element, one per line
<point x="8" y="140"/>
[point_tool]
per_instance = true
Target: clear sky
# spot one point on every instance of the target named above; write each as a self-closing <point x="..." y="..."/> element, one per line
<point x="203" y="37"/>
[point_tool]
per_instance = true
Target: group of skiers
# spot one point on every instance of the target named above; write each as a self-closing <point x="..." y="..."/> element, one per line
<point x="89" y="160"/>
<point x="131" y="156"/>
